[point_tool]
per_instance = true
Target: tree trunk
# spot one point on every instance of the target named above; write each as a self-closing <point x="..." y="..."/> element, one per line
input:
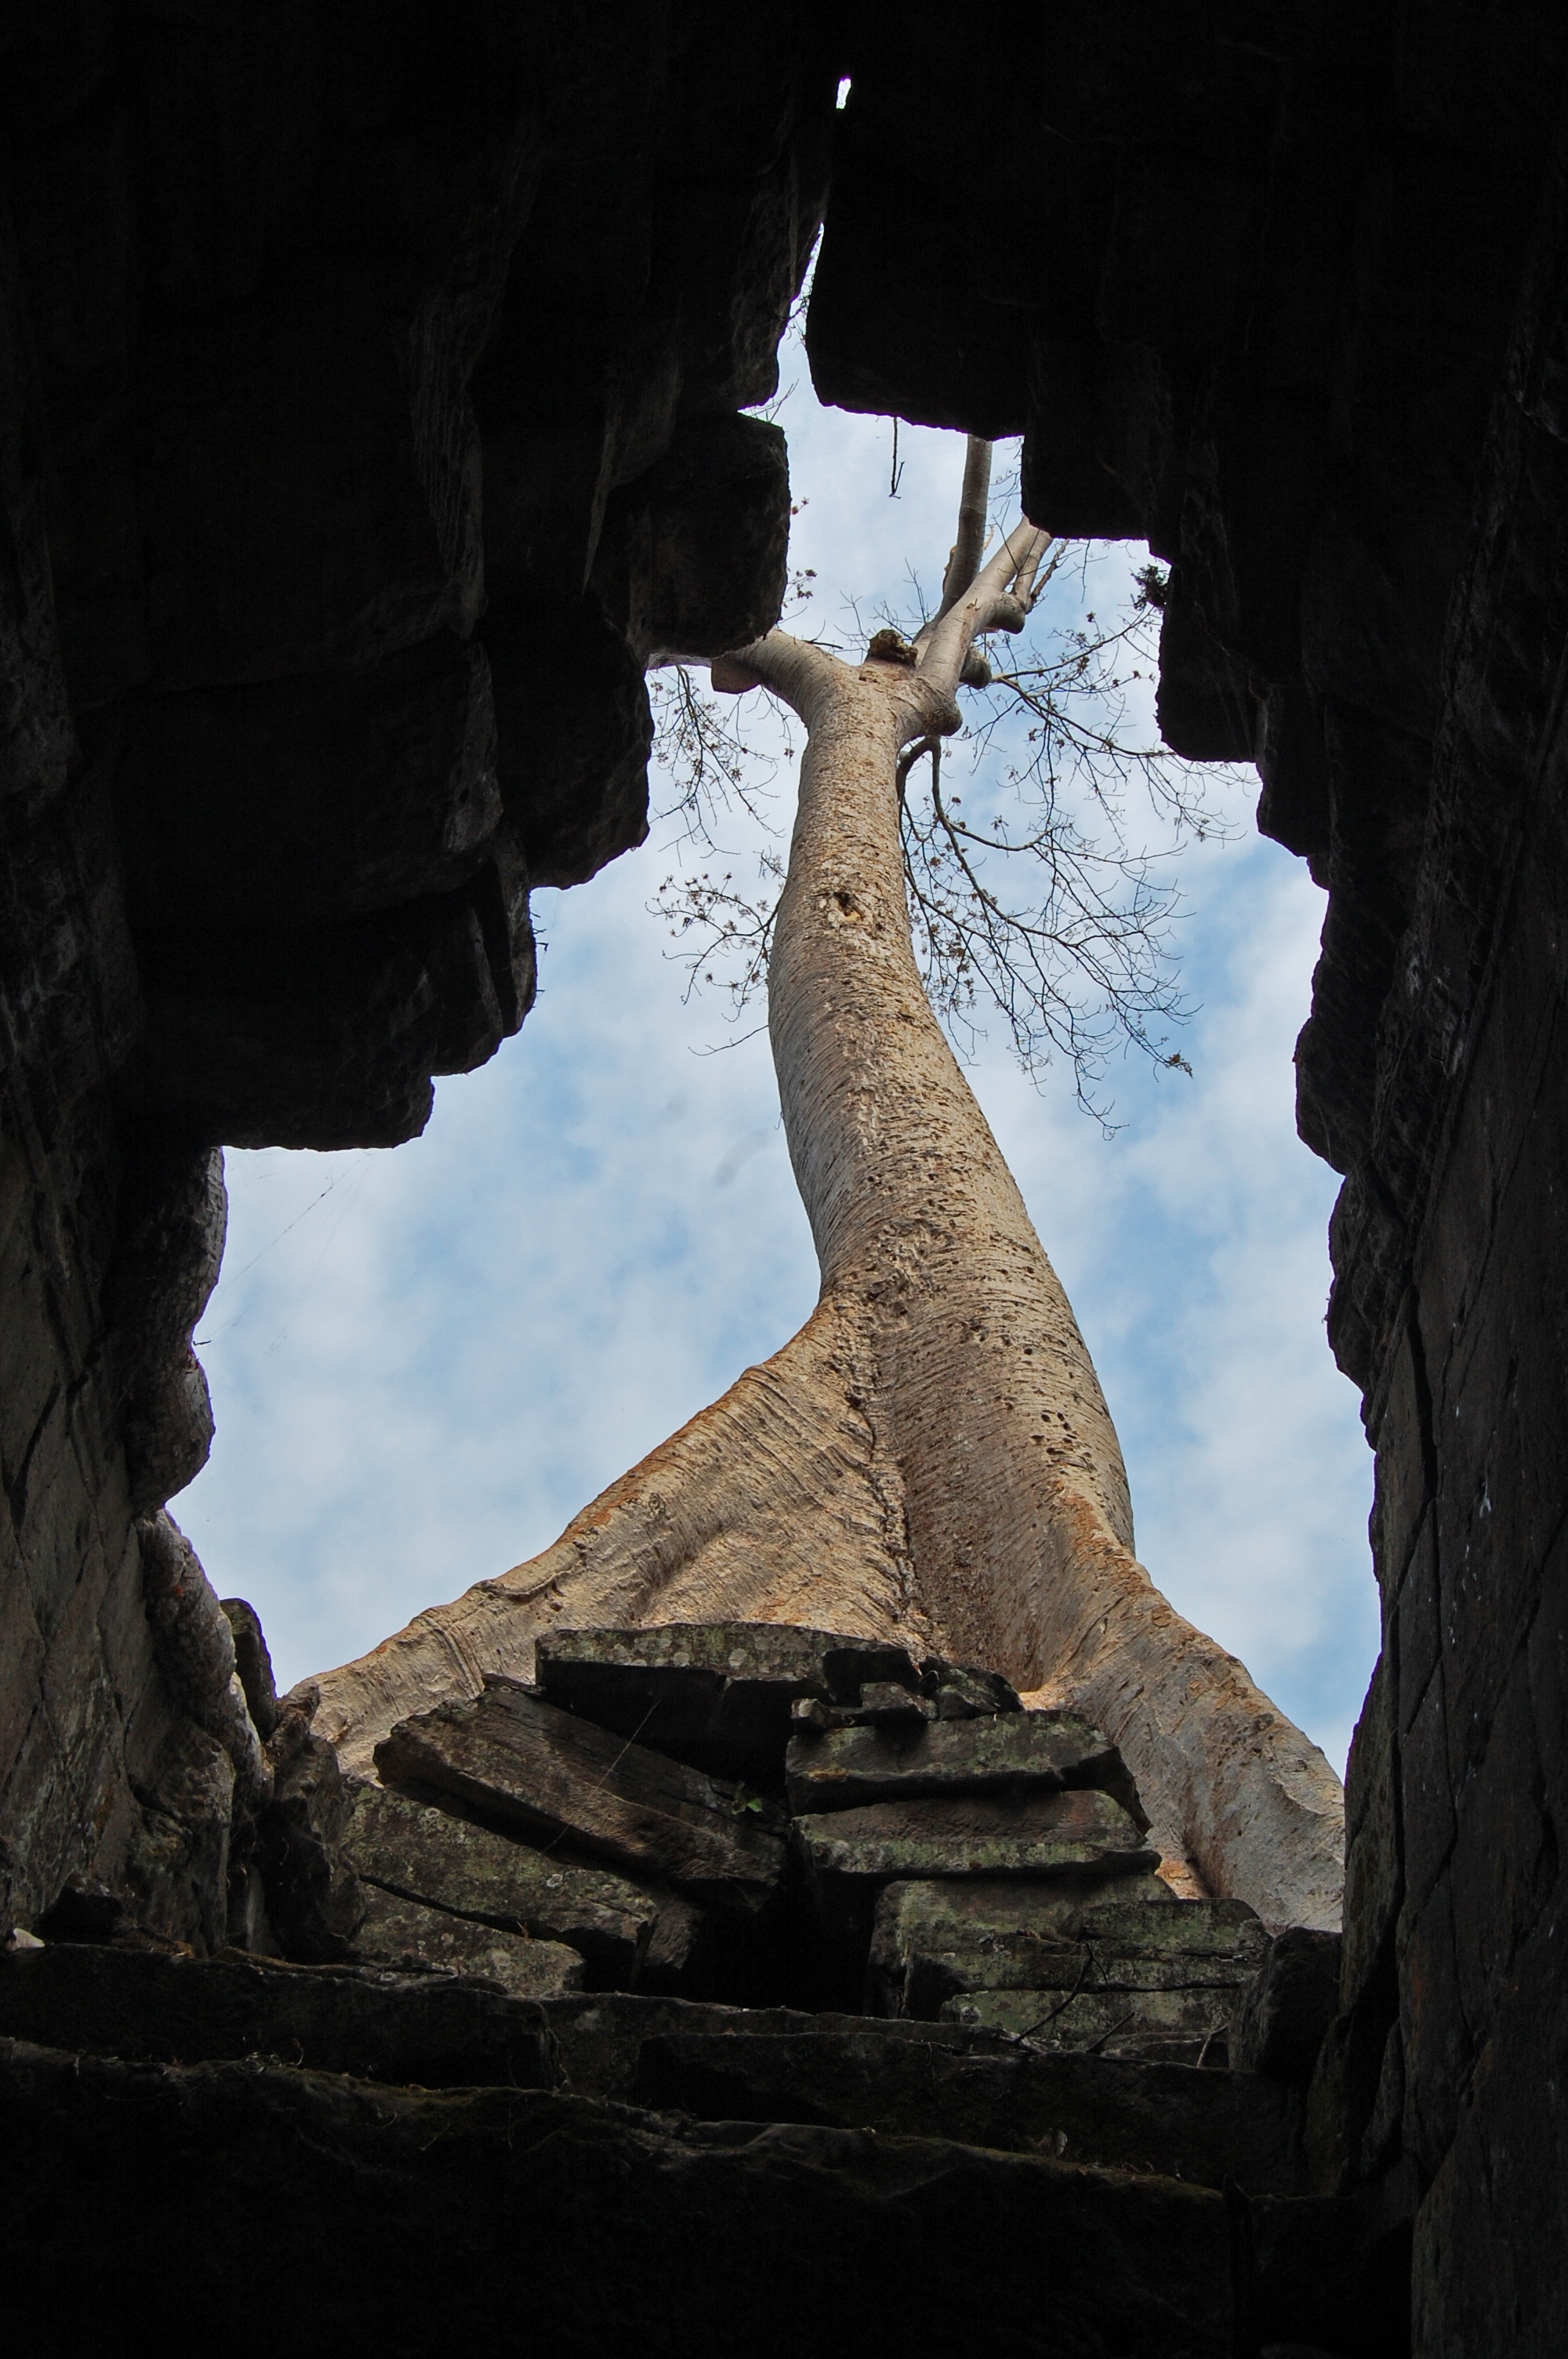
<point x="931" y="1458"/>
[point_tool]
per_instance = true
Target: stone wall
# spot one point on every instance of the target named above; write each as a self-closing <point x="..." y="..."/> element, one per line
<point x="371" y="409"/>
<point x="1282" y="291"/>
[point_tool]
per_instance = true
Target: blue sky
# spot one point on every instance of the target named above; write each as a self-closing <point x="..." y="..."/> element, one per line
<point x="424" y="1362"/>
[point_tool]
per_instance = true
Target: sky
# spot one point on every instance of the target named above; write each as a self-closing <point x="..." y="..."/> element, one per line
<point x="424" y="1362"/>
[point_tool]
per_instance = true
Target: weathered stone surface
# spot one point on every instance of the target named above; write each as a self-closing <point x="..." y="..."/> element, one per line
<point x="1184" y="2025"/>
<point x="857" y="1851"/>
<point x="412" y="1939"/>
<point x="195" y="1649"/>
<point x="429" y="1855"/>
<point x="434" y="2030"/>
<point x="1204" y="2128"/>
<point x="956" y="1914"/>
<point x="555" y="1776"/>
<point x="510" y="2192"/>
<point x="693" y="556"/>
<point x="1012" y="1753"/>
<point x="313" y="1896"/>
<point x="1286" y="2009"/>
<point x="963" y="1693"/>
<point x="715" y="1694"/>
<point x="1199" y="1946"/>
<point x="252" y="1663"/>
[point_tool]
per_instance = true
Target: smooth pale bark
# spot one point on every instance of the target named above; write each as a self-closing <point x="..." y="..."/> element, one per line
<point x="931" y="1458"/>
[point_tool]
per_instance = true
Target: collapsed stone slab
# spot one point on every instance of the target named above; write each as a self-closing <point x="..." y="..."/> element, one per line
<point x="518" y="1758"/>
<point x="412" y="1939"/>
<point x="852" y="1855"/>
<point x="717" y="1694"/>
<point x="428" y="1855"/>
<point x="436" y="2030"/>
<point x="1085" y="1972"/>
<point x="1005" y="1753"/>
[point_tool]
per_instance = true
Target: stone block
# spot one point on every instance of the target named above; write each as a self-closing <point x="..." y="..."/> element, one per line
<point x="253" y="1663"/>
<point x="573" y="768"/>
<point x="1373" y="1876"/>
<point x="309" y="483"/>
<point x="521" y="1760"/>
<point x="425" y="1854"/>
<point x="717" y="1695"/>
<point x="1198" y="1945"/>
<point x="313" y="1896"/>
<point x="406" y="1935"/>
<point x="1201" y="2128"/>
<point x="692" y="558"/>
<point x="144" y="2005"/>
<point x="962" y="1914"/>
<point x="1288" y="2006"/>
<point x="462" y="2206"/>
<point x="1178" y="2025"/>
<point x="1005" y="1753"/>
<point x="850" y="1854"/>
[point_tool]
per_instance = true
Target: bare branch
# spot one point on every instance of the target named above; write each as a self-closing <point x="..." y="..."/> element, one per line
<point x="964" y="560"/>
<point x="793" y="670"/>
<point x="988" y="605"/>
<point x="1046" y="905"/>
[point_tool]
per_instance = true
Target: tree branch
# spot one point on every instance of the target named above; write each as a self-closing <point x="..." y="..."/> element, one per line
<point x="792" y="667"/>
<point x="964" y="559"/>
<point x="989" y="605"/>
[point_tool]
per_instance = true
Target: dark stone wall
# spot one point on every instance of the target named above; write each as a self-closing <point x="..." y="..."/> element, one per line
<point x="371" y="381"/>
<point x="1282" y="290"/>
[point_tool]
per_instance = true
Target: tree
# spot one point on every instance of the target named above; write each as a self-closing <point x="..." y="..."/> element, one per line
<point x="931" y="1456"/>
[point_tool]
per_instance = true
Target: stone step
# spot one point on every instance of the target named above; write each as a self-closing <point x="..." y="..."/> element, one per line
<point x="434" y="2030"/>
<point x="418" y="2218"/>
<point x="1007" y="1752"/>
<point x="718" y="2063"/>
<point x="430" y="1855"/>
<point x="1204" y="2126"/>
<point x="555" y="1777"/>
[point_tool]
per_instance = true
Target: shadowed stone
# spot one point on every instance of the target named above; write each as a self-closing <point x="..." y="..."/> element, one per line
<point x="466" y="2205"/>
<point x="405" y="1934"/>
<point x="1204" y="2126"/>
<point x="1205" y="1946"/>
<point x="433" y="2029"/>
<point x="717" y="1695"/>
<point x="428" y="1855"/>
<point x="1012" y="1753"/>
<point x="1283" y="2014"/>
<point x="1111" y="2022"/>
<point x="555" y="1776"/>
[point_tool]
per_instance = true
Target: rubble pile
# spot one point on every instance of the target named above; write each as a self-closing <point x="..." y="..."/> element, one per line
<point x="702" y="1922"/>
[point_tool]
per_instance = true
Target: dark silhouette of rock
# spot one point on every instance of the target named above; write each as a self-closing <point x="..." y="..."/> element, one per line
<point x="1280" y="2025"/>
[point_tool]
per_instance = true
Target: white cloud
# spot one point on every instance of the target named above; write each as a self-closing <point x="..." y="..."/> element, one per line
<point x="424" y="1363"/>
